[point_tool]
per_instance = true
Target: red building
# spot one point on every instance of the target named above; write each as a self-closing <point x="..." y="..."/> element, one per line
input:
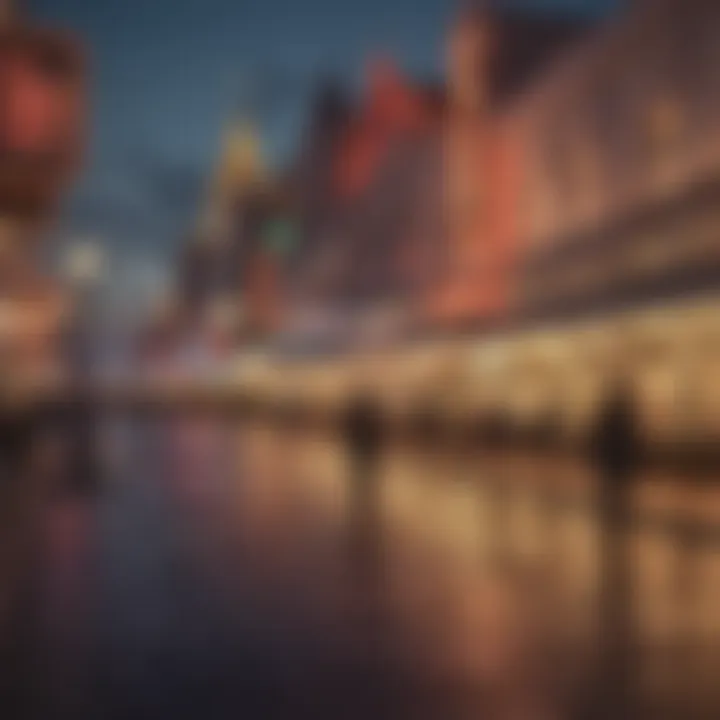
<point x="386" y="191"/>
<point x="392" y="111"/>
<point x="427" y="181"/>
<point x="493" y="59"/>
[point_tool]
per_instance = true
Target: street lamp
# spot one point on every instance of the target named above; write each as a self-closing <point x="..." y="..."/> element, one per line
<point x="83" y="264"/>
<point x="82" y="268"/>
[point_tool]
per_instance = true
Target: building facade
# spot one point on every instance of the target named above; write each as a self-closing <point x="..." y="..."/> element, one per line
<point x="421" y="212"/>
<point x="479" y="182"/>
<point x="232" y="261"/>
<point x="618" y="216"/>
<point x="376" y="210"/>
<point x="579" y="217"/>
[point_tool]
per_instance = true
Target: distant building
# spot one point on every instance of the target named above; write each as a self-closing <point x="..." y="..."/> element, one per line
<point x="574" y="196"/>
<point x="355" y="192"/>
<point x="238" y="253"/>
<point x="309" y="181"/>
<point x="386" y="186"/>
<point x="421" y="211"/>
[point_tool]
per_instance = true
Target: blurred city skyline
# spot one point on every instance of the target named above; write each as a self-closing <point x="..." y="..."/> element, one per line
<point x="168" y="77"/>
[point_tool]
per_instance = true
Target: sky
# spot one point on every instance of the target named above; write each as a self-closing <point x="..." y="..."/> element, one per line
<point x="166" y="77"/>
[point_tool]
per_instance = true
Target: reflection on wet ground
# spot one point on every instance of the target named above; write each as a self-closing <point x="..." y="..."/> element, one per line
<point x="224" y="570"/>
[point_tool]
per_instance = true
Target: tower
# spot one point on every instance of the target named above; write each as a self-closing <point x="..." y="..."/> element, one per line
<point x="468" y="59"/>
<point x="469" y="48"/>
<point x="241" y="166"/>
<point x="239" y="172"/>
<point x="469" y="150"/>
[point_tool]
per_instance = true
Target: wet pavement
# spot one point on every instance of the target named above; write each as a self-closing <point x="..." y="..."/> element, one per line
<point x="219" y="569"/>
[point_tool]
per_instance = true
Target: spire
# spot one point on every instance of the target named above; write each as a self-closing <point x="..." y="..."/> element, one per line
<point x="240" y="170"/>
<point x="469" y="50"/>
<point x="241" y="163"/>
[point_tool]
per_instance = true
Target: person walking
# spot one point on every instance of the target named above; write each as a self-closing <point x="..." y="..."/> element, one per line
<point x="363" y="437"/>
<point x="616" y="456"/>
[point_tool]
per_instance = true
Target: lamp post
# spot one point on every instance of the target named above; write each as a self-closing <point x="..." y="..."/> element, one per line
<point x="83" y="268"/>
<point x="84" y="263"/>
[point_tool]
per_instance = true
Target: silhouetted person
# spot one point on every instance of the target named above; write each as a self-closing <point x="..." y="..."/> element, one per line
<point x="498" y="429"/>
<point x="78" y="416"/>
<point x="16" y="440"/>
<point x="363" y="436"/>
<point x="426" y="422"/>
<point x="81" y="424"/>
<point x="616" y="455"/>
<point x="615" y="443"/>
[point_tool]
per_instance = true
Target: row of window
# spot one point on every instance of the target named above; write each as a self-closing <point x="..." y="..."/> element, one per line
<point x="667" y="247"/>
<point x="638" y="108"/>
